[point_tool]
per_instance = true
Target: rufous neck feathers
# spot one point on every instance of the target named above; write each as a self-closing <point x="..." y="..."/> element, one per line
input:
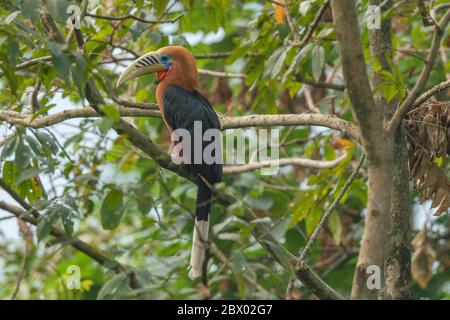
<point x="183" y="72"/>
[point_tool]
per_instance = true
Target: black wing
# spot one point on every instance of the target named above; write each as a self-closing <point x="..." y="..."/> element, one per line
<point x="181" y="109"/>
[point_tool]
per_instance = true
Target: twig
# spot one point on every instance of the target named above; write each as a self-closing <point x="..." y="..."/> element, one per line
<point x="323" y="221"/>
<point x="130" y="16"/>
<point x="311" y="27"/>
<point x="34" y="96"/>
<point x="310" y="101"/>
<point x="318" y="84"/>
<point x="27" y="239"/>
<point x="329" y="211"/>
<point x="428" y="94"/>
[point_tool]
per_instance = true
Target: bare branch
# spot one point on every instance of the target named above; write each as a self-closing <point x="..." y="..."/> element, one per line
<point x="220" y="74"/>
<point x="347" y="128"/>
<point x="302" y="162"/>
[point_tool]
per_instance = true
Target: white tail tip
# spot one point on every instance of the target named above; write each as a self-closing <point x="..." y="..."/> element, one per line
<point x="198" y="250"/>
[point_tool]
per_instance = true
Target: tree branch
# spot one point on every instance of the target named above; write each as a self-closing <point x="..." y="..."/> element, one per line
<point x="320" y="288"/>
<point x="220" y="74"/>
<point x="311" y="27"/>
<point x="302" y="162"/>
<point x="131" y="109"/>
<point x="430" y="93"/>
<point x="329" y="211"/>
<point x="318" y="84"/>
<point x="130" y="16"/>
<point x="347" y="128"/>
<point x="323" y="221"/>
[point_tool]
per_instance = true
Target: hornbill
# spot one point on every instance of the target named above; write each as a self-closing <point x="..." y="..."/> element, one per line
<point x="182" y="105"/>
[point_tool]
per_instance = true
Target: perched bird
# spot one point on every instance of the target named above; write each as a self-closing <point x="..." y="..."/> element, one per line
<point x="182" y="105"/>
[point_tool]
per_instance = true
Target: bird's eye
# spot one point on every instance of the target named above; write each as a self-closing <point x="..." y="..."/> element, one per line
<point x="164" y="58"/>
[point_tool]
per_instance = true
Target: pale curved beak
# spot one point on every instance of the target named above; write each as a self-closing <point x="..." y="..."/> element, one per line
<point x="148" y="63"/>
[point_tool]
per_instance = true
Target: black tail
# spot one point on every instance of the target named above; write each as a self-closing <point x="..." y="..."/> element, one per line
<point x="203" y="205"/>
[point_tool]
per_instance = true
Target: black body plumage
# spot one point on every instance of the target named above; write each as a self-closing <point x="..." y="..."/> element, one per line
<point x="181" y="109"/>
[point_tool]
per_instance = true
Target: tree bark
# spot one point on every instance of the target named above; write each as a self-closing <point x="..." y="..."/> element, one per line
<point x="377" y="144"/>
<point x="397" y="263"/>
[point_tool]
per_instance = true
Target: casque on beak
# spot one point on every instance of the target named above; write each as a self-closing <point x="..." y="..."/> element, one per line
<point x="148" y="63"/>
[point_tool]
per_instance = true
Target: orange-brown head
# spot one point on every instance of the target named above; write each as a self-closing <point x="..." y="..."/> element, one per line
<point x="173" y="65"/>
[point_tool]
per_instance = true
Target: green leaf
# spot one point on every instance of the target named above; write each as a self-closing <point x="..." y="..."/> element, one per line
<point x="318" y="62"/>
<point x="45" y="225"/>
<point x="298" y="58"/>
<point x="275" y="62"/>
<point x="112" y="287"/>
<point x="22" y="158"/>
<point x="28" y="174"/>
<point x="112" y="209"/>
<point x="160" y="6"/>
<point x="55" y="48"/>
<point x="335" y="227"/>
<point x="12" y="17"/>
<point x="280" y="253"/>
<point x="111" y="111"/>
<point x="30" y="9"/>
<point x="13" y="52"/>
<point x="260" y="203"/>
<point x="239" y="261"/>
<point x="48" y="142"/>
<point x="10" y="147"/>
<point x="62" y="65"/>
<point x="9" y="172"/>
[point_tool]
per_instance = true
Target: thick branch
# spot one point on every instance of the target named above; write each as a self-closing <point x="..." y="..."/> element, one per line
<point x="354" y="69"/>
<point x="130" y="109"/>
<point x="332" y="122"/>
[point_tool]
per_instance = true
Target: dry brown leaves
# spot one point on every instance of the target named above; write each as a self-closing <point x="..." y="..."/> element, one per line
<point x="428" y="135"/>
<point x="422" y="261"/>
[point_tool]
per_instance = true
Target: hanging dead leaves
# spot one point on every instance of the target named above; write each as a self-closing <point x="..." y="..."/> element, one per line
<point x="428" y="133"/>
<point x="423" y="258"/>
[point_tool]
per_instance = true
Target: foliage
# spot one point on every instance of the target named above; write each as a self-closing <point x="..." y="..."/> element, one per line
<point x="96" y="186"/>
